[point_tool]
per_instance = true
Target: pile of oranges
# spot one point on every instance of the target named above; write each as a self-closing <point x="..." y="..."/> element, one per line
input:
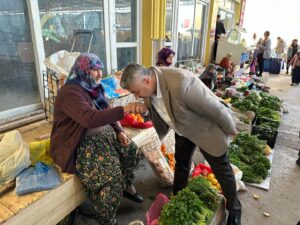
<point x="137" y="118"/>
<point x="168" y="156"/>
<point x="214" y="182"/>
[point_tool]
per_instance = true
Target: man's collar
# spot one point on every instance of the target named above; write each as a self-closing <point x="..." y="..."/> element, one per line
<point x="158" y="90"/>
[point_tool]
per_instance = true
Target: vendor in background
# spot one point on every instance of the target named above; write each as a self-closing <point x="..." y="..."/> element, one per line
<point x="252" y="63"/>
<point x="208" y="77"/>
<point x="264" y="46"/>
<point x="295" y="63"/>
<point x="260" y="57"/>
<point x="165" y="57"/>
<point x="280" y="47"/>
<point x="220" y="30"/>
<point x="254" y="36"/>
<point x="292" y="50"/>
<point x="88" y="140"/>
<point x="227" y="64"/>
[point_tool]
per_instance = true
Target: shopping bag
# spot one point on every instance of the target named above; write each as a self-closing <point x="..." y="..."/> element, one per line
<point x="39" y="151"/>
<point x="14" y="156"/>
<point x="37" y="178"/>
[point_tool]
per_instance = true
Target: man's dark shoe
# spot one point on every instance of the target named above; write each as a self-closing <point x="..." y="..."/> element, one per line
<point x="298" y="161"/>
<point x="135" y="198"/>
<point x="234" y="218"/>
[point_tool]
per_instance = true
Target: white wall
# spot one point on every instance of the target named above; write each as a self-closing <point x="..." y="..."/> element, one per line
<point x="280" y="17"/>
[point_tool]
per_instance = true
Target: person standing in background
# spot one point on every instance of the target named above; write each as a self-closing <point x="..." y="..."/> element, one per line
<point x="220" y="29"/>
<point x="266" y="47"/>
<point x="295" y="63"/>
<point x="254" y="36"/>
<point x="260" y="57"/>
<point x="280" y="47"/>
<point x="292" y="50"/>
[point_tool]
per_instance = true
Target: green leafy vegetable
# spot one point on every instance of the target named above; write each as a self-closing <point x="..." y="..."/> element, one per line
<point x="185" y="208"/>
<point x="247" y="153"/>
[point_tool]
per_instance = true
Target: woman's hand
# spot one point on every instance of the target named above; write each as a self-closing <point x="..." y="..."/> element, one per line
<point x="135" y="108"/>
<point x="123" y="139"/>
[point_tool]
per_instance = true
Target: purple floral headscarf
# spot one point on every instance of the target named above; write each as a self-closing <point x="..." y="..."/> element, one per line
<point x="80" y="75"/>
<point x="162" y="55"/>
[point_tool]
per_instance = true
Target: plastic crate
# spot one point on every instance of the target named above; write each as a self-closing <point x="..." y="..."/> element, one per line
<point x="261" y="132"/>
<point x="153" y="213"/>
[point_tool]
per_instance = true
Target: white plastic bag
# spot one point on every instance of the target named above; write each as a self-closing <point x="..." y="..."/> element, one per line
<point x="61" y="62"/>
<point x="238" y="174"/>
<point x="14" y="156"/>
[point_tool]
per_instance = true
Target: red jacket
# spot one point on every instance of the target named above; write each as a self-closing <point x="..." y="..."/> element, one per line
<point x="225" y="63"/>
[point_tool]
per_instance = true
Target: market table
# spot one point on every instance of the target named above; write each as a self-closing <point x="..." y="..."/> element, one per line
<point x="50" y="207"/>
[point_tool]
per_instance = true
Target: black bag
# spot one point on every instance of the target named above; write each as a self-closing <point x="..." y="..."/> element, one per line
<point x="275" y="66"/>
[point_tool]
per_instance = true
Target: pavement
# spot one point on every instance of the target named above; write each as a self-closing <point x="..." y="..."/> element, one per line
<point x="281" y="201"/>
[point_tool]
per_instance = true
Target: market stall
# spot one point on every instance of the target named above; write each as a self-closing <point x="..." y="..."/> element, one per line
<point x="238" y="43"/>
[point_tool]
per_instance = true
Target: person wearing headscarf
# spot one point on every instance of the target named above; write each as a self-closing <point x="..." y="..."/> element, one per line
<point x="208" y="77"/>
<point x="165" y="57"/>
<point x="226" y="63"/>
<point x="280" y="47"/>
<point x="295" y="63"/>
<point x="292" y="50"/>
<point x="88" y="140"/>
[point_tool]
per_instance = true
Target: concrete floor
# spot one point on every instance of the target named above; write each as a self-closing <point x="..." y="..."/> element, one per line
<point x="282" y="201"/>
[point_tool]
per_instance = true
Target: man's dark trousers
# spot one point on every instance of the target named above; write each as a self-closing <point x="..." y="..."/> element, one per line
<point x="184" y="150"/>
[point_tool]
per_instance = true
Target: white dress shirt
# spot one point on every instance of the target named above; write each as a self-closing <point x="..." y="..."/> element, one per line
<point x="159" y="105"/>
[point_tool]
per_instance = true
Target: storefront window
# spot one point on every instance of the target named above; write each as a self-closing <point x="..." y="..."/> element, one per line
<point x="227" y="11"/>
<point x="125" y="56"/>
<point x="61" y="19"/>
<point x="199" y="30"/>
<point x="126" y="33"/>
<point x="126" y="21"/>
<point x="169" y="22"/>
<point x="18" y="80"/>
<point x="185" y="29"/>
<point x="227" y="18"/>
<point x="191" y="21"/>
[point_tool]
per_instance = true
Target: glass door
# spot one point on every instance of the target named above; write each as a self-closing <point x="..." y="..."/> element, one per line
<point x="191" y="30"/>
<point x="199" y="30"/>
<point x="61" y="19"/>
<point x="124" y="33"/>
<point x="19" y="89"/>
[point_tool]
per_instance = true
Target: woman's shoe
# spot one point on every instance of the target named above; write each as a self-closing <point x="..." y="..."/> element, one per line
<point x="133" y="197"/>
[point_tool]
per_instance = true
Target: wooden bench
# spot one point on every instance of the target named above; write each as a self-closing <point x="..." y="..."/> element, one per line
<point x="50" y="207"/>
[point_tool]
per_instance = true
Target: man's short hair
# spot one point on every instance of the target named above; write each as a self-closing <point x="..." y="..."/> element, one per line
<point x="131" y="72"/>
<point x="218" y="16"/>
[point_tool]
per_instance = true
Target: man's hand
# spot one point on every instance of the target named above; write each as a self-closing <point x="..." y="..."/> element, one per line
<point x="236" y="132"/>
<point x="135" y="108"/>
<point x="123" y="139"/>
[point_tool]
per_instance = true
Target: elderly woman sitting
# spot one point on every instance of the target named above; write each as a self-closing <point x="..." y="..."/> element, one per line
<point x="227" y="64"/>
<point x="208" y="77"/>
<point x="88" y="140"/>
<point x="165" y="57"/>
